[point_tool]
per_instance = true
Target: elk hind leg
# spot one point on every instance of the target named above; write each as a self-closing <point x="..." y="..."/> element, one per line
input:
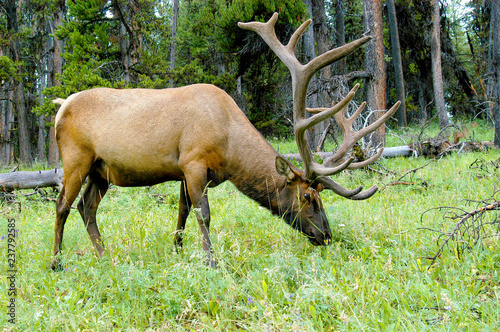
<point x="72" y="183"/>
<point x="87" y="206"/>
<point x="184" y="209"/>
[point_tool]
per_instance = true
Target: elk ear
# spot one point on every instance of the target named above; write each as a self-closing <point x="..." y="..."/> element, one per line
<point x="285" y="168"/>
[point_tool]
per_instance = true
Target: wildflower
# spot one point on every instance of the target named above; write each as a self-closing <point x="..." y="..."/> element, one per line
<point x="250" y="300"/>
<point x="447" y="301"/>
<point x="343" y="317"/>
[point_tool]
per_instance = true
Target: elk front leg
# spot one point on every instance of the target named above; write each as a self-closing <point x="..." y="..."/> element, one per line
<point x="94" y="192"/>
<point x="184" y="209"/>
<point x="196" y="180"/>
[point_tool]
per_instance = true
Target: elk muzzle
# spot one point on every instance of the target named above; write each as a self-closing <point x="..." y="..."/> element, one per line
<point x="318" y="235"/>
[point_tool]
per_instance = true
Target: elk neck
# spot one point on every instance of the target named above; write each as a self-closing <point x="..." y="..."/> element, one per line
<point x="255" y="176"/>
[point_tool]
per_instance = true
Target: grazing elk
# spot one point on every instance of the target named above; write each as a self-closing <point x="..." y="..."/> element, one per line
<point x="197" y="135"/>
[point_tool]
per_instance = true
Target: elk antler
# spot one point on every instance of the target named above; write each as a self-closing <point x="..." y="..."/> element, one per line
<point x="301" y="76"/>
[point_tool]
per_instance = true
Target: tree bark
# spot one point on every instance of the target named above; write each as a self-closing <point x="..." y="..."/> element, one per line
<point x="321" y="37"/>
<point x="398" y="66"/>
<point x="29" y="180"/>
<point x="172" y="41"/>
<point x="495" y="27"/>
<point x="5" y="143"/>
<point x="53" y="155"/>
<point x="489" y="80"/>
<point x="17" y="85"/>
<point x="340" y="35"/>
<point x="375" y="64"/>
<point x="122" y="10"/>
<point x="46" y="68"/>
<point x="8" y="146"/>
<point x="310" y="53"/>
<point x="437" y="75"/>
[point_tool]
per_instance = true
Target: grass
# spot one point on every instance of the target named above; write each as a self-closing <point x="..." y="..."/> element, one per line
<point x="374" y="277"/>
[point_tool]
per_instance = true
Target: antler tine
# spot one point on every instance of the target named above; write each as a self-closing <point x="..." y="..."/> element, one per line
<point x="296" y="35"/>
<point x="267" y="33"/>
<point x="325" y="113"/>
<point x="354" y="194"/>
<point x="335" y="54"/>
<point x="351" y="137"/>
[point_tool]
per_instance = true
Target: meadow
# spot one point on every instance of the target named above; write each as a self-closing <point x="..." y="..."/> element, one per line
<point x="376" y="276"/>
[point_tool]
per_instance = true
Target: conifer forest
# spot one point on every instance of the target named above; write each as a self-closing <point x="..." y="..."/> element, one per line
<point x="51" y="48"/>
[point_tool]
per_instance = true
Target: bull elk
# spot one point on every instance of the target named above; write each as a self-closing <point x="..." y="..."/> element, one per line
<point x="197" y="135"/>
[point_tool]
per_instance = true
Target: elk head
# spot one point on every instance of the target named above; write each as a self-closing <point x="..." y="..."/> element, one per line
<point x="306" y="214"/>
<point x="310" y="217"/>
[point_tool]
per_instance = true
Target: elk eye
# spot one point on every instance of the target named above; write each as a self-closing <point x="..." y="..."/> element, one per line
<point x="307" y="197"/>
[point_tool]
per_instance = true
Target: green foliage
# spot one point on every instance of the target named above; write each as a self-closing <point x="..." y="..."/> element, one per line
<point x="208" y="31"/>
<point x="8" y="68"/>
<point x="126" y="44"/>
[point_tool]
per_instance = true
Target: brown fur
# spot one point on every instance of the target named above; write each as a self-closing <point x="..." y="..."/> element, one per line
<point x="194" y="134"/>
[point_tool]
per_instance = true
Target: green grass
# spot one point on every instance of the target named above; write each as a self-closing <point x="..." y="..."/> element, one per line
<point x="374" y="277"/>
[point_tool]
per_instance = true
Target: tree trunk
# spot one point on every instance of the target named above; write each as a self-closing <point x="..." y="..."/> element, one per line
<point x="310" y="53"/>
<point x="53" y="155"/>
<point x="4" y="121"/>
<point x="398" y="66"/>
<point x="437" y="76"/>
<point x="8" y="146"/>
<point x="375" y="64"/>
<point x="340" y="35"/>
<point x="46" y="64"/>
<point x="29" y="180"/>
<point x="41" y="139"/>
<point x="172" y="41"/>
<point x="321" y="36"/>
<point x="489" y="80"/>
<point x="495" y="27"/>
<point x="18" y="86"/>
<point x="125" y="49"/>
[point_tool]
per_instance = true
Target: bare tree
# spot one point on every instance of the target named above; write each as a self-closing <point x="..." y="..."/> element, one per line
<point x="6" y="119"/>
<point x="437" y="75"/>
<point x="340" y="34"/>
<point x="398" y="66"/>
<point x="375" y="64"/>
<point x="172" y="41"/>
<point x="495" y="31"/>
<point x="53" y="155"/>
<point x="322" y="40"/>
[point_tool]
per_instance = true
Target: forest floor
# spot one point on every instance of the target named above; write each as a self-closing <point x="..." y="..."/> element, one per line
<point x="376" y="276"/>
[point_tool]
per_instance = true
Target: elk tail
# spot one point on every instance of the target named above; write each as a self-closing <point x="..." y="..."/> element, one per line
<point x="59" y="101"/>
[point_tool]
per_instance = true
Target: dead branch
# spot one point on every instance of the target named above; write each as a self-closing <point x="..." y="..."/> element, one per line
<point x="470" y="228"/>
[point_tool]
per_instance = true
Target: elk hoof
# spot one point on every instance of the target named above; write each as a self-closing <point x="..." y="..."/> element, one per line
<point x="212" y="264"/>
<point x="56" y="265"/>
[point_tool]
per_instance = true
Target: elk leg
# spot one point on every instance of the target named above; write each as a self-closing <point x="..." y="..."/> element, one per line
<point x="196" y="180"/>
<point x="184" y="209"/>
<point x="72" y="183"/>
<point x="94" y="191"/>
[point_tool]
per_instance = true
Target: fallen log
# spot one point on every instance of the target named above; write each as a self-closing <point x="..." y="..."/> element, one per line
<point x="428" y="149"/>
<point x="391" y="152"/>
<point x="31" y="179"/>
